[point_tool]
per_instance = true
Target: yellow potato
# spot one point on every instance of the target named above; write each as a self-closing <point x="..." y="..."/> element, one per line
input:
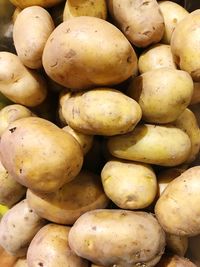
<point x="172" y="14"/>
<point x="91" y="51"/>
<point x="18" y="83"/>
<point x="22" y="262"/>
<point x="177" y="244"/>
<point x="27" y="3"/>
<point x="63" y="96"/>
<point x="40" y="155"/>
<point x="153" y="144"/>
<point x="15" y="14"/>
<point x="163" y="94"/>
<point x="196" y="94"/>
<point x="31" y="30"/>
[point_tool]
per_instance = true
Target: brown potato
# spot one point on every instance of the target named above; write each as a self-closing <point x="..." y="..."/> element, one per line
<point x="177" y="244"/>
<point x="27" y="3"/>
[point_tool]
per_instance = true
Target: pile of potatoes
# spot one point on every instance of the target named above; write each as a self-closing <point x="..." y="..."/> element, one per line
<point x="99" y="134"/>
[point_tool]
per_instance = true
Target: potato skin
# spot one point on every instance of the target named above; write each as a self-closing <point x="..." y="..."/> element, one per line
<point x="181" y="197"/>
<point x="22" y="262"/>
<point x="153" y="144"/>
<point x="31" y="30"/>
<point x="134" y="21"/>
<point x="77" y="43"/>
<point x="177" y="244"/>
<point x="129" y="185"/>
<point x="27" y="3"/>
<point x="125" y="245"/>
<point x="6" y="259"/>
<point x="175" y="261"/>
<point x="50" y="248"/>
<point x="51" y="159"/>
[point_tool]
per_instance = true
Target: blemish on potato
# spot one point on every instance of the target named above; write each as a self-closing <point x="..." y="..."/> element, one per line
<point x="71" y="53"/>
<point x="12" y="129"/>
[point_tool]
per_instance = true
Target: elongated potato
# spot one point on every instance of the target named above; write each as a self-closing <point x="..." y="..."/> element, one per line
<point x="177" y="244"/>
<point x="27" y="3"/>
<point x="17" y="228"/>
<point x="160" y="145"/>
<point x="177" y="209"/>
<point x="40" y="155"/>
<point x="132" y="17"/>
<point x="31" y="30"/>
<point x="50" y="248"/>
<point x="19" y="84"/>
<point x="129" y="185"/>
<point x="78" y="43"/>
<point x="98" y="236"/>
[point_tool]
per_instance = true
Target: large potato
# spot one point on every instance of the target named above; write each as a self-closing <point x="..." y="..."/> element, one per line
<point x="129" y="185"/>
<point x="101" y="111"/>
<point x="40" y="155"/>
<point x="160" y="145"/>
<point x="177" y="244"/>
<point x="64" y="206"/>
<point x="178" y="208"/>
<point x="17" y="228"/>
<point x="118" y="238"/>
<point x="132" y="17"/>
<point x="163" y="94"/>
<point x="18" y="83"/>
<point x="31" y="30"/>
<point x="185" y="44"/>
<point x="27" y="3"/>
<point x="76" y="44"/>
<point x="49" y="248"/>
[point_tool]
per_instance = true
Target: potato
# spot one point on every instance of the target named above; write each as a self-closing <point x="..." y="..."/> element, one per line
<point x="185" y="44"/>
<point x="177" y="244"/>
<point x="22" y="262"/>
<point x="49" y="248"/>
<point x="78" y="43"/>
<point x="175" y="261"/>
<point x="10" y="190"/>
<point x="27" y="3"/>
<point x="71" y="201"/>
<point x="84" y="140"/>
<point x="40" y="155"/>
<point x="175" y="87"/>
<point x="19" y="84"/>
<point x="134" y="21"/>
<point x="153" y="144"/>
<point x="15" y="14"/>
<point x="196" y="94"/>
<point x="129" y="185"/>
<point x="98" y="236"/>
<point x="31" y="30"/>
<point x="172" y="14"/>
<point x="155" y="57"/>
<point x="6" y="260"/>
<point x="63" y="96"/>
<point x="102" y="111"/>
<point x="188" y="123"/>
<point x="177" y="209"/>
<point x="12" y="113"/>
<point x="76" y="8"/>
<point x="17" y="228"/>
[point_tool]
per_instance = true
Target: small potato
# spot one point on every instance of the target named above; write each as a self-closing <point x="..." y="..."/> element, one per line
<point x="19" y="84"/>
<point x="39" y="155"/>
<point x="77" y="8"/>
<point x="177" y="244"/>
<point x="175" y="87"/>
<point x="22" y="262"/>
<point x="129" y="185"/>
<point x="31" y="30"/>
<point x="155" y="57"/>
<point x="172" y="14"/>
<point x="132" y="18"/>
<point x="71" y="201"/>
<point x="17" y="228"/>
<point x="153" y="144"/>
<point x="85" y="141"/>
<point x="91" y="51"/>
<point x="116" y="238"/>
<point x="177" y="209"/>
<point x="49" y="248"/>
<point x="102" y="111"/>
<point x="175" y="261"/>
<point x="196" y="94"/>
<point x="12" y="113"/>
<point x="27" y="3"/>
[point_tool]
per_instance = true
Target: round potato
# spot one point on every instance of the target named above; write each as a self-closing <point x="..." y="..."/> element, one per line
<point x="155" y="57"/>
<point x="175" y="261"/>
<point x="31" y="30"/>
<point x="177" y="209"/>
<point x="40" y="155"/>
<point x="78" y="43"/>
<point x="129" y="185"/>
<point x="125" y="245"/>
<point x="132" y="18"/>
<point x="22" y="262"/>
<point x="153" y="144"/>
<point x="17" y="228"/>
<point x="177" y="244"/>
<point x="18" y="83"/>
<point x="196" y="94"/>
<point x="50" y="248"/>
<point x="172" y="14"/>
<point x="101" y="111"/>
<point x="27" y="3"/>
<point x="150" y="88"/>
<point x="71" y="201"/>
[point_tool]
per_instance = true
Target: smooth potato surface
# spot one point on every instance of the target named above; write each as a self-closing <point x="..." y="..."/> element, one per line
<point x="27" y="3"/>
